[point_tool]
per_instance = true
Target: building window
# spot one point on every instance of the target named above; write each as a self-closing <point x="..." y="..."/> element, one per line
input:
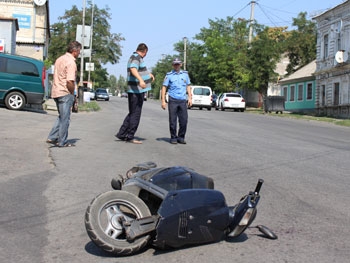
<point x="336" y="94"/>
<point x="285" y="93"/>
<point x="292" y="93"/>
<point x="300" y="92"/>
<point x="309" y="91"/>
<point x="325" y="46"/>
<point x="323" y="95"/>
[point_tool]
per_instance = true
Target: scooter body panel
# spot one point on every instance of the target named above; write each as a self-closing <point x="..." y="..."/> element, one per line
<point x="191" y="216"/>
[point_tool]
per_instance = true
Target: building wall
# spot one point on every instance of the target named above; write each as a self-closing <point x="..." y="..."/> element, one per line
<point x="33" y="34"/>
<point x="332" y="77"/>
<point x="302" y="99"/>
<point x="8" y="30"/>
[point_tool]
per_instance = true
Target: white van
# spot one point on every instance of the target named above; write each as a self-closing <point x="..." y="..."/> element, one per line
<point x="201" y="97"/>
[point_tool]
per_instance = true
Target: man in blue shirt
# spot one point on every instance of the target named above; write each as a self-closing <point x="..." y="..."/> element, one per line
<point x="139" y="81"/>
<point x="177" y="82"/>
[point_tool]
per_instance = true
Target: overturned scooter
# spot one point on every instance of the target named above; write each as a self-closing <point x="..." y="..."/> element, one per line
<point x="167" y="208"/>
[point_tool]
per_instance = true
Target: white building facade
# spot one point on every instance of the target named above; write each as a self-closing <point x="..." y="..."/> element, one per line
<point x="332" y="95"/>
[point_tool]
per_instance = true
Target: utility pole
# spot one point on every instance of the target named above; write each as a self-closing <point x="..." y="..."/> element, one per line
<point x="81" y="83"/>
<point x="185" y="48"/>
<point x="91" y="32"/>
<point x="252" y="3"/>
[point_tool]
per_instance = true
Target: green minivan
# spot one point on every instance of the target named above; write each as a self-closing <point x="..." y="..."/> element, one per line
<point x="22" y="81"/>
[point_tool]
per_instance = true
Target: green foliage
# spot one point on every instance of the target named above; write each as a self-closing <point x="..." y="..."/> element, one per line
<point x="224" y="60"/>
<point x="105" y="46"/>
<point x="224" y="53"/>
<point x="122" y="84"/>
<point x="159" y="71"/>
<point x="89" y="106"/>
<point x="301" y="43"/>
<point x="264" y="53"/>
<point x="48" y="63"/>
<point x="112" y="84"/>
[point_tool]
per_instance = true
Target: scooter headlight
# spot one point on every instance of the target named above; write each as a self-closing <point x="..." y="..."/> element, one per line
<point x="246" y="220"/>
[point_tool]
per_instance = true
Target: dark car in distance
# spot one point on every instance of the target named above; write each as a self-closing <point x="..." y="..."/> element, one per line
<point x="101" y="94"/>
<point x="214" y="97"/>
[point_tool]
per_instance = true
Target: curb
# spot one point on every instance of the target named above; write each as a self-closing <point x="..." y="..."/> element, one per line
<point x="50" y="105"/>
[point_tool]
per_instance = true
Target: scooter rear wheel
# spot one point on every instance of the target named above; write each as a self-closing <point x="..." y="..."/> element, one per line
<point x="104" y="225"/>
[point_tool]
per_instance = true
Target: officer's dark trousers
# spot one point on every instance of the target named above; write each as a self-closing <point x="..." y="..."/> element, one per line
<point x="132" y="120"/>
<point x="177" y="111"/>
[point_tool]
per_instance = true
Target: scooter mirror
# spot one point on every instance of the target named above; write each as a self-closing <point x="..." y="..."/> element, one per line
<point x="267" y="232"/>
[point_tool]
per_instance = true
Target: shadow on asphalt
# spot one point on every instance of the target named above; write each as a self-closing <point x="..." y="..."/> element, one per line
<point x="28" y="109"/>
<point x="92" y="249"/>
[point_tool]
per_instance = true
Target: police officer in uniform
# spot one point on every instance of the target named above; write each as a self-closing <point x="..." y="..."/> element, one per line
<point x="177" y="83"/>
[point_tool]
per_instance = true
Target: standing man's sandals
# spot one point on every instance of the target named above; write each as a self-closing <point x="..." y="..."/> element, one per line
<point x="51" y="141"/>
<point x="65" y="145"/>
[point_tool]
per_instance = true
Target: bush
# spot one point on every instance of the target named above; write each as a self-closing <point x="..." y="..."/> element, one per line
<point x="89" y="106"/>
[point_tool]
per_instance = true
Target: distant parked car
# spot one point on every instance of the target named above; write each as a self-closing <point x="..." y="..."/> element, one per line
<point x="101" y="94"/>
<point x="214" y="97"/>
<point x="21" y="81"/>
<point x="124" y="95"/>
<point x="231" y="100"/>
<point x="201" y="97"/>
<point x="90" y="92"/>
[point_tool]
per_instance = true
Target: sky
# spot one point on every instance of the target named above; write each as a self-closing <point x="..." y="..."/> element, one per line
<point x="161" y="24"/>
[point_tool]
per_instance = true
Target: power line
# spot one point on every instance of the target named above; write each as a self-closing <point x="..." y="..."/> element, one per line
<point x="241" y="9"/>
<point x="269" y="17"/>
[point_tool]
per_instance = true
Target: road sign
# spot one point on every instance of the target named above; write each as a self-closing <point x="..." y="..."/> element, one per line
<point x="79" y="35"/>
<point x="89" y="66"/>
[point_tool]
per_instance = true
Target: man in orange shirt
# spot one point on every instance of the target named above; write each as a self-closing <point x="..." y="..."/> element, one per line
<point x="63" y="93"/>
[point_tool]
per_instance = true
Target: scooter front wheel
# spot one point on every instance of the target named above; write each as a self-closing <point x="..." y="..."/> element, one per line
<point x="104" y="217"/>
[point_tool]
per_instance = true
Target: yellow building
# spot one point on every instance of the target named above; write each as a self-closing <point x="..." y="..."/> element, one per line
<point x="33" y="32"/>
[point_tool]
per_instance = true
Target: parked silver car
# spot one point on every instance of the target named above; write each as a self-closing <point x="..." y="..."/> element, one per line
<point x="101" y="94"/>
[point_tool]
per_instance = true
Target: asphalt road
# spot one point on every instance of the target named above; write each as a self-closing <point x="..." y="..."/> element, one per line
<point x="46" y="190"/>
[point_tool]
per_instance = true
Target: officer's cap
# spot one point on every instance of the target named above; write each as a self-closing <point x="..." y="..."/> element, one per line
<point x="177" y="61"/>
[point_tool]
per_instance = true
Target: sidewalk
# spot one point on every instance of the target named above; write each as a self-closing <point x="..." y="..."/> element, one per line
<point x="50" y="104"/>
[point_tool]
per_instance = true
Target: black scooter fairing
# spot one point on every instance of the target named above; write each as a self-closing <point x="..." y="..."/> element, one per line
<point x="191" y="216"/>
<point x="176" y="178"/>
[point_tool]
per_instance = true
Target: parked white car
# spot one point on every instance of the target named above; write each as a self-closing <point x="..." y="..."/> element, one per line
<point x="231" y="100"/>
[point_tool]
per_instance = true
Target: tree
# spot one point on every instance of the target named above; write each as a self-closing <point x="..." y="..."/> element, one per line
<point x="121" y="84"/>
<point x="112" y="84"/>
<point x="224" y="60"/>
<point x="105" y="47"/>
<point x="159" y="71"/>
<point x="301" y="43"/>
<point x="224" y="53"/>
<point x="264" y="53"/>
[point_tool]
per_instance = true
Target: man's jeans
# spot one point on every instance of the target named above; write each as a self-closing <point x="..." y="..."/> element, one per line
<point x="59" y="131"/>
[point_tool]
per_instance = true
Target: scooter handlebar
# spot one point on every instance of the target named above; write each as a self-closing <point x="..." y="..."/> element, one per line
<point x="258" y="186"/>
